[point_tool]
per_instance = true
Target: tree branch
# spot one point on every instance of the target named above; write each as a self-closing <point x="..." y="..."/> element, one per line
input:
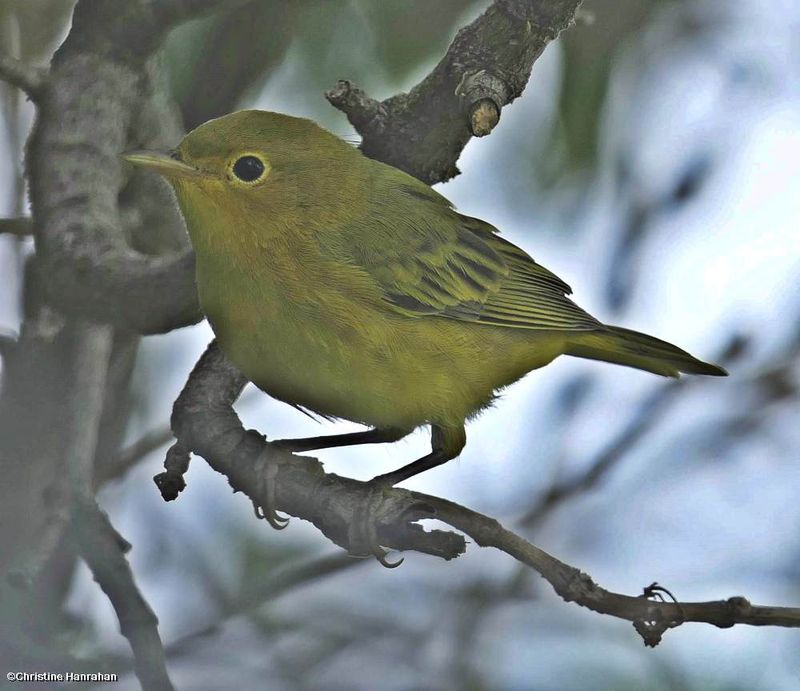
<point x="486" y="67"/>
<point x="75" y="177"/>
<point x="104" y="96"/>
<point x="127" y="457"/>
<point x="651" y="617"/>
<point x="100" y="546"/>
<point x="91" y="368"/>
<point x="103" y="549"/>
<point x="205" y="423"/>
<point x="25" y="77"/>
<point x="61" y="396"/>
<point x="64" y="488"/>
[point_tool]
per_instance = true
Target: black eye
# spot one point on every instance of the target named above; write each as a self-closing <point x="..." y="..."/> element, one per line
<point x="248" y="168"/>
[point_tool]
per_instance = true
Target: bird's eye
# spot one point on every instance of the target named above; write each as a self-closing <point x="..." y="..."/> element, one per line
<point x="248" y="168"/>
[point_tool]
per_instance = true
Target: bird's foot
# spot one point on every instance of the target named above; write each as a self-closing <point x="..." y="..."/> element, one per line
<point x="363" y="531"/>
<point x="267" y="509"/>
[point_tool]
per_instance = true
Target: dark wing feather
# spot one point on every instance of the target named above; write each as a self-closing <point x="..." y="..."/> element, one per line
<point x="427" y="259"/>
<point x="530" y="296"/>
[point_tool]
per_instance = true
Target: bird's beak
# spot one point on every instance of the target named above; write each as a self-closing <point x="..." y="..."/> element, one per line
<point x="166" y="164"/>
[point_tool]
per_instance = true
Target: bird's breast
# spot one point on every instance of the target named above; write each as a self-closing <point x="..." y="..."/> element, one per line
<point x="303" y="339"/>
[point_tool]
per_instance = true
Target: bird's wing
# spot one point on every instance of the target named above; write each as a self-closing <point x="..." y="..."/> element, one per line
<point x="427" y="259"/>
<point x="529" y="296"/>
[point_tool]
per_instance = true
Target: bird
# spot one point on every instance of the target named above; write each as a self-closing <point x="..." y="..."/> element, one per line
<point x="350" y="289"/>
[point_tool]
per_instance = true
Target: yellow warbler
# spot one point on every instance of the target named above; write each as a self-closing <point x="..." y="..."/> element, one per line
<point x="346" y="287"/>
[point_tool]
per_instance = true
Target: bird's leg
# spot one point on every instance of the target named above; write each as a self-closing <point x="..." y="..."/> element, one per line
<point x="446" y="443"/>
<point x="370" y="436"/>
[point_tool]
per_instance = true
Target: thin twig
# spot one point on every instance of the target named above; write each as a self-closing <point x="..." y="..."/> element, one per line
<point x="131" y="455"/>
<point x="21" y="227"/>
<point x="284" y="580"/>
<point x="103" y="550"/>
<point x="575" y="586"/>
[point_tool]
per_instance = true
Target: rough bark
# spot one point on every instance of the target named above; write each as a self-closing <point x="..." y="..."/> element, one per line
<point x="486" y="67"/>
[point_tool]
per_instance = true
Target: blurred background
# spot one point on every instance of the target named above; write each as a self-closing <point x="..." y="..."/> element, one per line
<point x="653" y="162"/>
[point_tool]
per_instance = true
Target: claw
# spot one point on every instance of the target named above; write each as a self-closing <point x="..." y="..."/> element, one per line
<point x="363" y="532"/>
<point x="267" y="511"/>
<point x="270" y="516"/>
<point x="380" y="554"/>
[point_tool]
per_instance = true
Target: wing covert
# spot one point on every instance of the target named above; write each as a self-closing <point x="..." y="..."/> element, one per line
<point x="428" y="260"/>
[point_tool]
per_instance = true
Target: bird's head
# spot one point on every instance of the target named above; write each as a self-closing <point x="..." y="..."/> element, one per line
<point x="251" y="167"/>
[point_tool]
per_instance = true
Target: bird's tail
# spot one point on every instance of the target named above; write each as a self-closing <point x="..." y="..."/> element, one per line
<point x="634" y="349"/>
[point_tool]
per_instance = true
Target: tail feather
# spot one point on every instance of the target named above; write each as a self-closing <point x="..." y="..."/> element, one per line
<point x="634" y="349"/>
